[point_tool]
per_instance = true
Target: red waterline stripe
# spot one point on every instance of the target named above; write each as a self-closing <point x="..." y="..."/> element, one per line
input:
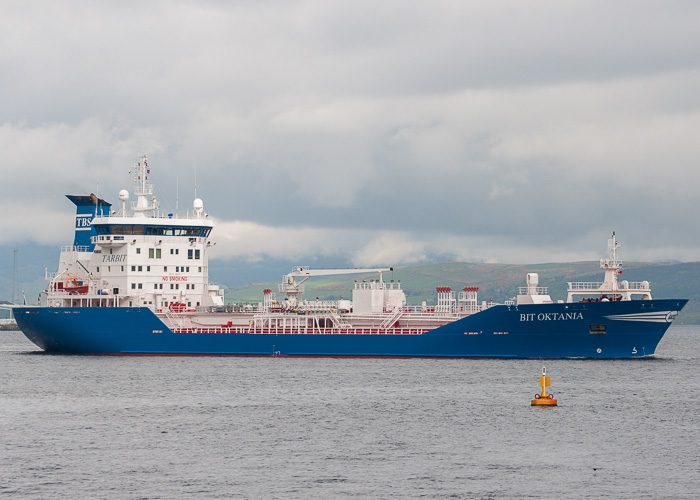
<point x="349" y="356"/>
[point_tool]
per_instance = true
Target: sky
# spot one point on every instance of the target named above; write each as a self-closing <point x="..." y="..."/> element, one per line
<point x="371" y="133"/>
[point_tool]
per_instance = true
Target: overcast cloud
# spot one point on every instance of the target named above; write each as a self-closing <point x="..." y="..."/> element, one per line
<point x="379" y="132"/>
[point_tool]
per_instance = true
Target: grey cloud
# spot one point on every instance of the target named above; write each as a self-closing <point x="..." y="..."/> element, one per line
<point x="522" y="124"/>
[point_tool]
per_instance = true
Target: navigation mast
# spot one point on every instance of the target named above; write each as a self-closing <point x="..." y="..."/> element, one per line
<point x="143" y="189"/>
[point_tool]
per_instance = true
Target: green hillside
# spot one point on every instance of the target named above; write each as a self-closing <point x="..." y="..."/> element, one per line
<point x="500" y="282"/>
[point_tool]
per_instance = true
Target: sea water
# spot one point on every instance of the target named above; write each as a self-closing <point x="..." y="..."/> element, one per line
<point x="186" y="427"/>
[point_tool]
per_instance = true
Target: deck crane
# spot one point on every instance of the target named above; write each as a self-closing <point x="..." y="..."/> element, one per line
<point x="291" y="287"/>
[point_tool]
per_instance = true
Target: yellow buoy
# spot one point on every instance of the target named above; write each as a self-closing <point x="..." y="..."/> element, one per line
<point x="544" y="399"/>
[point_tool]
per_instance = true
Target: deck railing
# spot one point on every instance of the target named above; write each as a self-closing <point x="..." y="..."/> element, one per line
<point x="595" y="286"/>
<point x="75" y="248"/>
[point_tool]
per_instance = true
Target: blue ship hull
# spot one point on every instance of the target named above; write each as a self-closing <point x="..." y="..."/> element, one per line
<point x="624" y="329"/>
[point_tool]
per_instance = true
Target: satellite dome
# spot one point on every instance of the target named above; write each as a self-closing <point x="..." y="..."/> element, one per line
<point x="198" y="204"/>
<point x="123" y="195"/>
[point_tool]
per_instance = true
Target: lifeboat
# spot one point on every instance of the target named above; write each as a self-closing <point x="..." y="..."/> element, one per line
<point x="72" y="285"/>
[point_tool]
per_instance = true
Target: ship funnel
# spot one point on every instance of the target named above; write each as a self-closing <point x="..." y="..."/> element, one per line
<point x="87" y="207"/>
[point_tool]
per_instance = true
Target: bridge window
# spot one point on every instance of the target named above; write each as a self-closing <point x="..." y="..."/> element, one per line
<point x="189" y="232"/>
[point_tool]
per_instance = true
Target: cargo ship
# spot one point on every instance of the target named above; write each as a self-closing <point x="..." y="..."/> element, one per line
<point x="135" y="281"/>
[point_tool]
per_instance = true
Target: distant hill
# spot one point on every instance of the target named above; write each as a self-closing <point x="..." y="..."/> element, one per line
<point x="500" y="282"/>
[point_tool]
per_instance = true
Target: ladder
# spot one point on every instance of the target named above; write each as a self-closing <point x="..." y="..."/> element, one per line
<point x="398" y="312"/>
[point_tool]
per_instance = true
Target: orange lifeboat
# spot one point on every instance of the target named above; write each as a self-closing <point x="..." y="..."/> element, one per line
<point x="72" y="285"/>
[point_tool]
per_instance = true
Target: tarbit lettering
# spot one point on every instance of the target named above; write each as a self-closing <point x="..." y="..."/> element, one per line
<point x="113" y="258"/>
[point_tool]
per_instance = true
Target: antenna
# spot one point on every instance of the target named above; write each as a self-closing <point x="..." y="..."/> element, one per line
<point x="195" y="181"/>
<point x="177" y="194"/>
<point x="15" y="298"/>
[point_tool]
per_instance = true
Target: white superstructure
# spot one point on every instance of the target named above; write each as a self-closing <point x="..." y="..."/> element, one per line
<point x="141" y="257"/>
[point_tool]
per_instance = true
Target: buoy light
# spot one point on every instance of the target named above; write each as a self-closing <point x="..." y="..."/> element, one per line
<point x="544" y="399"/>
